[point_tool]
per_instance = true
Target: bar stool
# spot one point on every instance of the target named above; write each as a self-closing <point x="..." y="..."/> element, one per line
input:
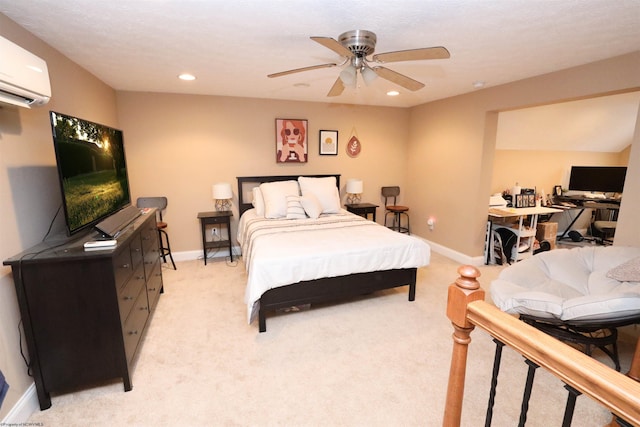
<point x="396" y="210"/>
<point x="161" y="204"/>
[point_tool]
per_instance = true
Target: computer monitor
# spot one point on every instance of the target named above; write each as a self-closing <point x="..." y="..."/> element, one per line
<point x="605" y="179"/>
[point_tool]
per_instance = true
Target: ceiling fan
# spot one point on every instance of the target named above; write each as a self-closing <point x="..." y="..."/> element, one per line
<point x="355" y="46"/>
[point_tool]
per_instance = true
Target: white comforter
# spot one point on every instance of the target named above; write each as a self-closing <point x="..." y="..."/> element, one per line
<point x="278" y="252"/>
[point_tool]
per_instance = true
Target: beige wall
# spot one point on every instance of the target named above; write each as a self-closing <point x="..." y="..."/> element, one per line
<point x="441" y="154"/>
<point x="179" y="145"/>
<point x="544" y="169"/>
<point x="29" y="183"/>
<point x="451" y="148"/>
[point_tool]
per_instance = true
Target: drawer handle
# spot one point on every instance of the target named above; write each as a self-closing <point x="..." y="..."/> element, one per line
<point x="137" y="249"/>
<point x="128" y="298"/>
<point x="143" y="308"/>
<point x="125" y="266"/>
<point x="140" y="277"/>
<point x="152" y="289"/>
<point x="133" y="332"/>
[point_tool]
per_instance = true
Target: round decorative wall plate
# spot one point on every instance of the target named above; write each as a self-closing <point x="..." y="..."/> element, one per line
<point x="354" y="147"/>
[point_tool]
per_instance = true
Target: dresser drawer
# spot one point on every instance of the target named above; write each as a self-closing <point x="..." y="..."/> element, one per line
<point x="151" y="257"/>
<point x="149" y="236"/>
<point x="135" y="247"/>
<point x="122" y="268"/>
<point x="128" y="294"/>
<point x="154" y="285"/>
<point x="134" y="325"/>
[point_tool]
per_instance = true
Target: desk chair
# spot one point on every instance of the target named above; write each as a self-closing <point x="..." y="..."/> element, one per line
<point x="604" y="222"/>
<point x="161" y="204"/>
<point x="395" y="210"/>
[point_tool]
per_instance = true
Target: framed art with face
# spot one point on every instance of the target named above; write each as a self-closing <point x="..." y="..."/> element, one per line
<point x="291" y="141"/>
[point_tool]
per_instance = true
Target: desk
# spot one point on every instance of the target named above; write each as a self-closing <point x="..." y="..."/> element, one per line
<point x="581" y="203"/>
<point x="218" y="217"/>
<point x="521" y="232"/>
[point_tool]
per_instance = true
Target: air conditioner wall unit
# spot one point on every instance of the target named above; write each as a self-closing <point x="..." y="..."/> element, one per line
<point x="24" y="77"/>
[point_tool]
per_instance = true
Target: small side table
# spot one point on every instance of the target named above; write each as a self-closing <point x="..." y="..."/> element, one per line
<point x="363" y="209"/>
<point x="217" y="217"/>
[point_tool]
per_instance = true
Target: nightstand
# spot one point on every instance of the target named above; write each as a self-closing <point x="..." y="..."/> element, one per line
<point x="217" y="217"/>
<point x="362" y="209"/>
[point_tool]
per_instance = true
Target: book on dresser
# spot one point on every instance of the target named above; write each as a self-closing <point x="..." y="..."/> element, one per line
<point x="85" y="311"/>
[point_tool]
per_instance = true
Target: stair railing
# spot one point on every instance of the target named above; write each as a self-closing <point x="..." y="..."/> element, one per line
<point x="582" y="374"/>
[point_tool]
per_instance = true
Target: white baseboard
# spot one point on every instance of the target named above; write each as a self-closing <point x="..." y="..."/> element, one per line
<point x="454" y="255"/>
<point x="198" y="254"/>
<point x="22" y="410"/>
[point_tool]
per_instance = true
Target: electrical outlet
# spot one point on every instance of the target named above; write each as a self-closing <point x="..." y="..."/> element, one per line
<point x="431" y="223"/>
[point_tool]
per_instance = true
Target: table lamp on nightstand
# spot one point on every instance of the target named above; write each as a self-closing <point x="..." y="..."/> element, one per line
<point x="222" y="194"/>
<point x="354" y="190"/>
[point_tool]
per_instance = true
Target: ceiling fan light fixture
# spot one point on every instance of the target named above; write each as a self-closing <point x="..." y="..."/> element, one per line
<point x="393" y="93"/>
<point x="187" y="77"/>
<point x="368" y="75"/>
<point x="348" y="76"/>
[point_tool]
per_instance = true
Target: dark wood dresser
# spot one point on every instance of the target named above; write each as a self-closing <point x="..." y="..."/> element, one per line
<point x="84" y="312"/>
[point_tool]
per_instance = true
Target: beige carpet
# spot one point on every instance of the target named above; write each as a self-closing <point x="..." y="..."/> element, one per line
<point x="375" y="361"/>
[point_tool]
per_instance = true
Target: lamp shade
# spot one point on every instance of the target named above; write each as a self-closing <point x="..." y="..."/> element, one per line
<point x="348" y="76"/>
<point x="368" y="75"/>
<point x="222" y="191"/>
<point x="354" y="186"/>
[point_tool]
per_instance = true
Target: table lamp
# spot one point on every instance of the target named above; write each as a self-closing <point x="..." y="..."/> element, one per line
<point x="222" y="194"/>
<point x="354" y="190"/>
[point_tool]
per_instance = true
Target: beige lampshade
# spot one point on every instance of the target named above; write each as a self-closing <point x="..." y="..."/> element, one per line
<point x="354" y="186"/>
<point x="222" y="191"/>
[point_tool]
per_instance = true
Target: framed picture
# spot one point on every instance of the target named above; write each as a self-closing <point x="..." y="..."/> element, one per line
<point x="328" y="143"/>
<point x="557" y="190"/>
<point x="291" y="141"/>
<point x="521" y="201"/>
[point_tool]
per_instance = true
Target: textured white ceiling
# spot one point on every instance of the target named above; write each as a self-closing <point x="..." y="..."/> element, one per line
<point x="142" y="45"/>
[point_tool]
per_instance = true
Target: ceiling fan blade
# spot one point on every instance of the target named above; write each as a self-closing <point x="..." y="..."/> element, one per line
<point x="337" y="88"/>
<point x="399" y="79"/>
<point x="334" y="45"/>
<point x="412" y="55"/>
<point x="299" y="70"/>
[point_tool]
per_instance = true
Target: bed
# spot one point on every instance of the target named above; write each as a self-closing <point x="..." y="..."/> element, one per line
<point x="310" y="250"/>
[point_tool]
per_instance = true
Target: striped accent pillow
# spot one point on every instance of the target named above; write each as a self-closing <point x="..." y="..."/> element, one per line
<point x="294" y="208"/>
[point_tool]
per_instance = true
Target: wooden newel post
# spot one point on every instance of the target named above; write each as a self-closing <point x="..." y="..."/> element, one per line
<point x="465" y="290"/>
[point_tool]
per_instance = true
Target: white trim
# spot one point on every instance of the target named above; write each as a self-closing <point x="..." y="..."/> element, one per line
<point x="23" y="409"/>
<point x="455" y="255"/>
<point x="197" y="254"/>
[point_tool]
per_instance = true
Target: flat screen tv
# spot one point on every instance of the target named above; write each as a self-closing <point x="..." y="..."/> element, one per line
<point x="93" y="175"/>
<point x="605" y="179"/>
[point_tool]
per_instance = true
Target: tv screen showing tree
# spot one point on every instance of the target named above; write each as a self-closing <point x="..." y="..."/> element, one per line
<point x="92" y="170"/>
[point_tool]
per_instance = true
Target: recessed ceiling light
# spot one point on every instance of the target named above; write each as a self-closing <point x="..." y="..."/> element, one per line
<point x="479" y="84"/>
<point x="187" y="77"/>
<point x="393" y="93"/>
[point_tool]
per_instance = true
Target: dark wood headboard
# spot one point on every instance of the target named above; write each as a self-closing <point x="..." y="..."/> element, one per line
<point x="245" y="183"/>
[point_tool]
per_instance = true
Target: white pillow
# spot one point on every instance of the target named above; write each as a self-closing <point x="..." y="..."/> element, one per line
<point x="275" y="197"/>
<point x="324" y="189"/>
<point x="311" y="205"/>
<point x="258" y="201"/>
<point x="294" y="208"/>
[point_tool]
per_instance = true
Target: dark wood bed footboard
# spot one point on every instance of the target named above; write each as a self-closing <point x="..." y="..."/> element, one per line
<point x="334" y="288"/>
